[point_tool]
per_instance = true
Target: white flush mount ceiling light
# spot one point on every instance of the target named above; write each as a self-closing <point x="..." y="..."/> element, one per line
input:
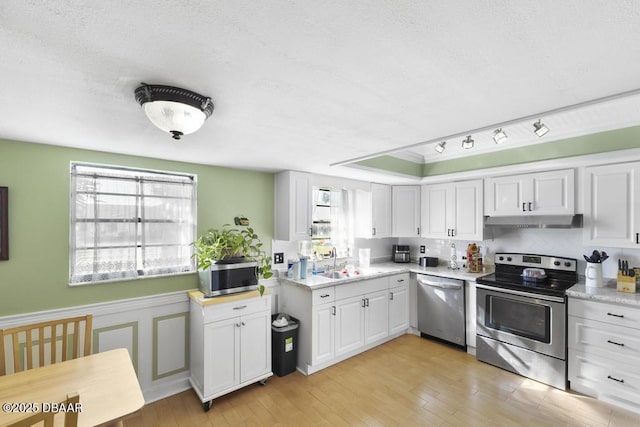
<point x="467" y="142"/>
<point x="540" y="129"/>
<point x="499" y="136"/>
<point x="174" y="110"/>
<point x="440" y="147"/>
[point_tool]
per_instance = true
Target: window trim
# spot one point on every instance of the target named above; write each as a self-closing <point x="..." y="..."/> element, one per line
<point x="139" y="220"/>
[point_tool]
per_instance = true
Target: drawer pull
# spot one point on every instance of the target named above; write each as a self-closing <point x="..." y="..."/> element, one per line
<point x="615" y="315"/>
<point x="615" y="343"/>
<point x="325" y="296"/>
<point x="615" y="379"/>
<point x="523" y="205"/>
<point x="240" y="307"/>
<point x="237" y="325"/>
<point x="400" y="280"/>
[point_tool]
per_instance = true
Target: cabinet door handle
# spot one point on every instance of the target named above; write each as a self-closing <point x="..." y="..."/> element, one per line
<point x="374" y="231"/>
<point x="449" y="232"/>
<point x="243" y="324"/>
<point x="530" y="206"/>
<point x="453" y="232"/>
<point x="367" y="301"/>
<point x="637" y="238"/>
<point x="237" y="325"/>
<point x="523" y="205"/>
<point x="615" y="343"/>
<point x="240" y="307"/>
<point x="310" y="231"/>
<point x="364" y="302"/>
<point x="390" y="296"/>
<point x="615" y="315"/>
<point x="418" y="231"/>
<point x="333" y="310"/>
<point x="615" y="379"/>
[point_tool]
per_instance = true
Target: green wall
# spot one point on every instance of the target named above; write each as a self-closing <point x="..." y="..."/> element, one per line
<point x="36" y="275"/>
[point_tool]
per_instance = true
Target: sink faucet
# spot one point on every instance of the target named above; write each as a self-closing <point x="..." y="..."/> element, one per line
<point x="334" y="254"/>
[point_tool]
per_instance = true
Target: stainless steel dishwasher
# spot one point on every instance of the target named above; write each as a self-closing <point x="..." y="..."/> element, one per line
<point x="441" y="309"/>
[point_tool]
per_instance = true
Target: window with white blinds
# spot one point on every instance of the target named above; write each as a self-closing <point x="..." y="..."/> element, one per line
<point x="128" y="223"/>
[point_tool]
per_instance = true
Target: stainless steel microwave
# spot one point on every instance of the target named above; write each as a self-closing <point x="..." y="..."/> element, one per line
<point x="224" y="279"/>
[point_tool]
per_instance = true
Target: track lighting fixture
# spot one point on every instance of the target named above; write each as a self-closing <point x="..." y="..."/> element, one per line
<point x="467" y="142"/>
<point x="539" y="128"/>
<point x="440" y="146"/>
<point x="499" y="136"/>
<point x="174" y="110"/>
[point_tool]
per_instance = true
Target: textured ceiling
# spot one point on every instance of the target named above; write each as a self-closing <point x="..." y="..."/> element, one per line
<point x="304" y="84"/>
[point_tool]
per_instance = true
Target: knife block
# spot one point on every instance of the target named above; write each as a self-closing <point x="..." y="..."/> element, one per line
<point x="628" y="284"/>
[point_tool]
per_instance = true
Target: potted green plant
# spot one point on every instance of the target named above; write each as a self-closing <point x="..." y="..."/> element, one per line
<point x="231" y="245"/>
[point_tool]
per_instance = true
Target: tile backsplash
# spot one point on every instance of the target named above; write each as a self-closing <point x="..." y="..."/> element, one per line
<point x="559" y="242"/>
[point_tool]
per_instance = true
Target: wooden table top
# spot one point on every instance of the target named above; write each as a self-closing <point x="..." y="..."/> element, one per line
<point x="106" y="382"/>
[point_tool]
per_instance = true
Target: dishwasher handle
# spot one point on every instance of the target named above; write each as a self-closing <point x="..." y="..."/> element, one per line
<point x="453" y="284"/>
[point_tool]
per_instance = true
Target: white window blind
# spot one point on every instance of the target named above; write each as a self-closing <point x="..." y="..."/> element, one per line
<point x="128" y="223"/>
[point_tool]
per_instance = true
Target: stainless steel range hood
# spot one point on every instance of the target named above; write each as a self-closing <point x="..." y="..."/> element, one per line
<point x="535" y="221"/>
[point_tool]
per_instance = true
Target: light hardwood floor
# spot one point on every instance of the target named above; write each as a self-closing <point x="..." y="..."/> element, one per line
<point x="408" y="381"/>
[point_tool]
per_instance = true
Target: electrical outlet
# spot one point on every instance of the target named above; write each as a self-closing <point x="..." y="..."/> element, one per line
<point x="278" y="258"/>
<point x="422" y="249"/>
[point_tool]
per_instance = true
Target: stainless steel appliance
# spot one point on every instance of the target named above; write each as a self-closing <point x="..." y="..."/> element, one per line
<point x="224" y="279"/>
<point x="521" y="317"/>
<point x="401" y="253"/>
<point x="441" y="311"/>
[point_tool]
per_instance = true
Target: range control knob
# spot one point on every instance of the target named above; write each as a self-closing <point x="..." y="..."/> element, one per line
<point x="501" y="258"/>
<point x="556" y="263"/>
<point x="567" y="264"/>
<point x="509" y="258"/>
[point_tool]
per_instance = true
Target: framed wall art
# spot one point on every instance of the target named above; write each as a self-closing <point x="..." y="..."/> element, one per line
<point x="4" y="223"/>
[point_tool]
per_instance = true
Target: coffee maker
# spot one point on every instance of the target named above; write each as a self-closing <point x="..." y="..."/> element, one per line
<point x="401" y="253"/>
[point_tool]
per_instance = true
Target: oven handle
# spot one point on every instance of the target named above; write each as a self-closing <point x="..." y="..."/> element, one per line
<point x="520" y="293"/>
<point x="443" y="285"/>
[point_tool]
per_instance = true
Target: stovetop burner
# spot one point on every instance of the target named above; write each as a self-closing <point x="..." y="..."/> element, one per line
<point x="561" y="273"/>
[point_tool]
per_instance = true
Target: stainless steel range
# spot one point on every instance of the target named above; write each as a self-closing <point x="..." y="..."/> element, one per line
<point x="522" y="312"/>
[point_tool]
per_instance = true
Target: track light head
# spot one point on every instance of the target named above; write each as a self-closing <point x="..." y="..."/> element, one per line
<point x="539" y="128"/>
<point x="499" y="136"/>
<point x="467" y="142"/>
<point x="440" y="147"/>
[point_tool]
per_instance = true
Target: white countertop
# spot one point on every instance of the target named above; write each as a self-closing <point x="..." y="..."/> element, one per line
<point x="607" y="293"/>
<point x="386" y="269"/>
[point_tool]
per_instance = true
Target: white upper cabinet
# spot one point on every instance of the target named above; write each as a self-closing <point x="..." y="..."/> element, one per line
<point x="292" y="206"/>
<point x="611" y="197"/>
<point x="452" y="210"/>
<point x="543" y="193"/>
<point x="405" y="211"/>
<point x="373" y="211"/>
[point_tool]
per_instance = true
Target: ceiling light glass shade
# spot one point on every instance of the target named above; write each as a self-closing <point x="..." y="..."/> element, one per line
<point x="174" y="110"/>
<point x="467" y="143"/>
<point x="499" y="136"/>
<point x="540" y="129"/>
<point x="440" y="146"/>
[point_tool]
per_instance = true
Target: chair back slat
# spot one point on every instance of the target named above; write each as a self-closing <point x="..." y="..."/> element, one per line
<point x="41" y="345"/>
<point x="65" y="334"/>
<point x="29" y="348"/>
<point x="44" y="336"/>
<point x="76" y="338"/>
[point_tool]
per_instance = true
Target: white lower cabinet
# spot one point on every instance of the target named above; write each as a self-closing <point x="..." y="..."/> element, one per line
<point x="604" y="351"/>
<point x="341" y="321"/>
<point x="230" y="345"/>
<point x="399" y="304"/>
<point x="323" y="333"/>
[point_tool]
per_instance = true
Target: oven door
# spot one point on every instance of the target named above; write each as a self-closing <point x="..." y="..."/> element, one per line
<point x="531" y="321"/>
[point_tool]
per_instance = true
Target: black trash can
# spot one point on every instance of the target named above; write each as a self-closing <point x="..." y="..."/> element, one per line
<point x="284" y="346"/>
